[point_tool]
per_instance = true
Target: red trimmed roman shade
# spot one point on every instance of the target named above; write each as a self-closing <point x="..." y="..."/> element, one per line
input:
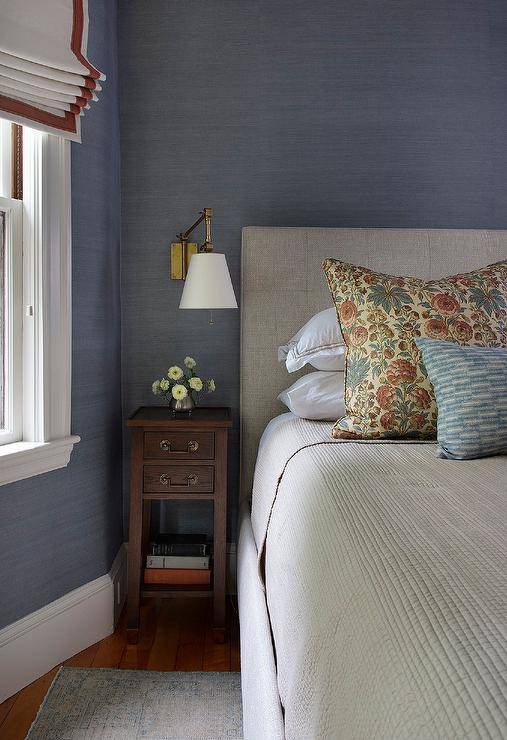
<point x="46" y="80"/>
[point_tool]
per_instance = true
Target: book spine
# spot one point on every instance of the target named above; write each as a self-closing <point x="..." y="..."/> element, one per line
<point x="179" y="550"/>
<point x="155" y="561"/>
<point x="186" y="561"/>
<point x="178" y="576"/>
<point x="177" y="561"/>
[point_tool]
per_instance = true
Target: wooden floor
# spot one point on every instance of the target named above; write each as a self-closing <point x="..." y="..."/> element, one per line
<point x="176" y="635"/>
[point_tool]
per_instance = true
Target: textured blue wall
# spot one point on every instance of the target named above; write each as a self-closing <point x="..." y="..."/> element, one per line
<point x="295" y="113"/>
<point x="62" y="529"/>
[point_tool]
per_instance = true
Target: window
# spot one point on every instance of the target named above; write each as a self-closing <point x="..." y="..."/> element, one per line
<point x="35" y="322"/>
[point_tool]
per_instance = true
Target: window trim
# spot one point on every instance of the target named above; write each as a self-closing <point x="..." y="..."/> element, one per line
<point x="47" y="441"/>
<point x="14" y="323"/>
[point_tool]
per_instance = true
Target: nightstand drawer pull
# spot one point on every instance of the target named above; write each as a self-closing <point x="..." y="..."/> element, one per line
<point x="178" y="479"/>
<point x="191" y="480"/>
<point x="175" y="445"/>
<point x="192" y="445"/>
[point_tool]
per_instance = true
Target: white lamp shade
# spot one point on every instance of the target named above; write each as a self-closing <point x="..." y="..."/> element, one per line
<point x="208" y="283"/>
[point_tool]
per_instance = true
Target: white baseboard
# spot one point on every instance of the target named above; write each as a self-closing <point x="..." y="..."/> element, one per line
<point x="36" y="643"/>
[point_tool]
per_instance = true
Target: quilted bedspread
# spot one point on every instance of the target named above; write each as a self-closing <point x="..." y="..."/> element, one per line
<point x="385" y="571"/>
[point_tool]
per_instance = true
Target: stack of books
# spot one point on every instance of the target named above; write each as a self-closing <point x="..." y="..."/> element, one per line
<point x="178" y="560"/>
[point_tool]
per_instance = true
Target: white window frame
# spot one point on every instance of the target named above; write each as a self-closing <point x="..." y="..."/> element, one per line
<point x="13" y="368"/>
<point x="47" y="441"/>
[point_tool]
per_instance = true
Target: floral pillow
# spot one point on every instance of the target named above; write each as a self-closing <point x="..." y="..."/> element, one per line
<point x="387" y="390"/>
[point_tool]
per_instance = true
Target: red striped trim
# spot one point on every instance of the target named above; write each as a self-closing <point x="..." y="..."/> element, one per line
<point x="86" y="93"/>
<point x="77" y="38"/>
<point x="31" y="113"/>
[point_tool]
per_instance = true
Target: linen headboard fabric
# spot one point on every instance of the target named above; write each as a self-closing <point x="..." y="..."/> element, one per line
<point x="283" y="285"/>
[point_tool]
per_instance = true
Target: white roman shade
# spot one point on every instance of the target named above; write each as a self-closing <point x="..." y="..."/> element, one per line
<point x="46" y="80"/>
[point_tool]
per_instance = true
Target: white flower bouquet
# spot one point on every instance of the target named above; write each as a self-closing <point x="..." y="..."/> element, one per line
<point x="182" y="387"/>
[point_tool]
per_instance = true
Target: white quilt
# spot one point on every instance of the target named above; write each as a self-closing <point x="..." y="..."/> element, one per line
<point x="386" y="578"/>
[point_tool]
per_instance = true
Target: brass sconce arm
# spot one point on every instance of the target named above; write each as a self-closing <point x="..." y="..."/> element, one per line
<point x="207" y="245"/>
<point x="182" y="251"/>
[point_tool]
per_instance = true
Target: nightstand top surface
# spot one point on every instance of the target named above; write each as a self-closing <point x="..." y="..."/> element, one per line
<point x="163" y="416"/>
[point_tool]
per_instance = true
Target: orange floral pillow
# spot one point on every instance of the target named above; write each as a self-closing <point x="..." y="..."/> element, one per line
<point x="387" y="390"/>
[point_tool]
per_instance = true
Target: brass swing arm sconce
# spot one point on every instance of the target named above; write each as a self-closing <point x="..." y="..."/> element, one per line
<point x="182" y="251"/>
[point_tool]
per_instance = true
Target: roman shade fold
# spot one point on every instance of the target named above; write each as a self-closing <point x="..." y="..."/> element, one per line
<point x="46" y="79"/>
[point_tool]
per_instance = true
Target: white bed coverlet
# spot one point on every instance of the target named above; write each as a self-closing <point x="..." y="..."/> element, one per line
<point x="386" y="580"/>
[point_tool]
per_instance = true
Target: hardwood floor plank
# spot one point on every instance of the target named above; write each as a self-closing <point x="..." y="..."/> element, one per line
<point x="84" y="659"/>
<point x="5" y="708"/>
<point x="217" y="656"/>
<point x="23" y="712"/>
<point x="135" y="657"/>
<point x="192" y="634"/>
<point x="164" y="649"/>
<point x="110" y="650"/>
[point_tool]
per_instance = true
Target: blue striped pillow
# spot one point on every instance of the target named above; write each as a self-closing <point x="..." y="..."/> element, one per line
<point x="470" y="386"/>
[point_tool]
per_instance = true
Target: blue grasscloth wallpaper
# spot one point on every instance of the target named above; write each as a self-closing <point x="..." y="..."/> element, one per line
<point x="294" y="113"/>
<point x="62" y="529"/>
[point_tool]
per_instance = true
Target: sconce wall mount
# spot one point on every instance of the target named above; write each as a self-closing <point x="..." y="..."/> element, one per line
<point x="183" y="250"/>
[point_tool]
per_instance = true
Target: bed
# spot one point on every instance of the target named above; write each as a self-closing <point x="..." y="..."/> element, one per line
<point x="371" y="576"/>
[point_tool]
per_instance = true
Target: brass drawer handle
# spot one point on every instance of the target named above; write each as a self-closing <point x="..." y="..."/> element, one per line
<point x="192" y="446"/>
<point x="192" y="479"/>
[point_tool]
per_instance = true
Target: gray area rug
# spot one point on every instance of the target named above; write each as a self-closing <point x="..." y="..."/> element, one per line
<point x="111" y="704"/>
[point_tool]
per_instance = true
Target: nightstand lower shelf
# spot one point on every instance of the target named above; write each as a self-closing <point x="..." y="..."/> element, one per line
<point x="178" y="496"/>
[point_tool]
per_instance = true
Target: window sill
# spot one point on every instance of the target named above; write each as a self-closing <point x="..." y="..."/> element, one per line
<point x="21" y="460"/>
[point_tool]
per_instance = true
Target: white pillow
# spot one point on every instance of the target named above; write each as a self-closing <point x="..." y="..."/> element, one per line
<point x="319" y="343"/>
<point x="316" y="396"/>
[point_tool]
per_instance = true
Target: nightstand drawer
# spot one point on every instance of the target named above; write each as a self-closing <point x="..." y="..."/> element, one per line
<point x="178" y="478"/>
<point x="179" y="445"/>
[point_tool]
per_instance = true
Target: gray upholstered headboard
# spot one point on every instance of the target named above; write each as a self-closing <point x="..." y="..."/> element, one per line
<point x="283" y="286"/>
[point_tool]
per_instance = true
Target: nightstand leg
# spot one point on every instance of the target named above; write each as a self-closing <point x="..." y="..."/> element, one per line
<point x="135" y="531"/>
<point x="145" y="542"/>
<point x="220" y="536"/>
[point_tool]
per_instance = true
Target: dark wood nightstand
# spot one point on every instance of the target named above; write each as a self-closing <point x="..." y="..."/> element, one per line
<point x="183" y="457"/>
